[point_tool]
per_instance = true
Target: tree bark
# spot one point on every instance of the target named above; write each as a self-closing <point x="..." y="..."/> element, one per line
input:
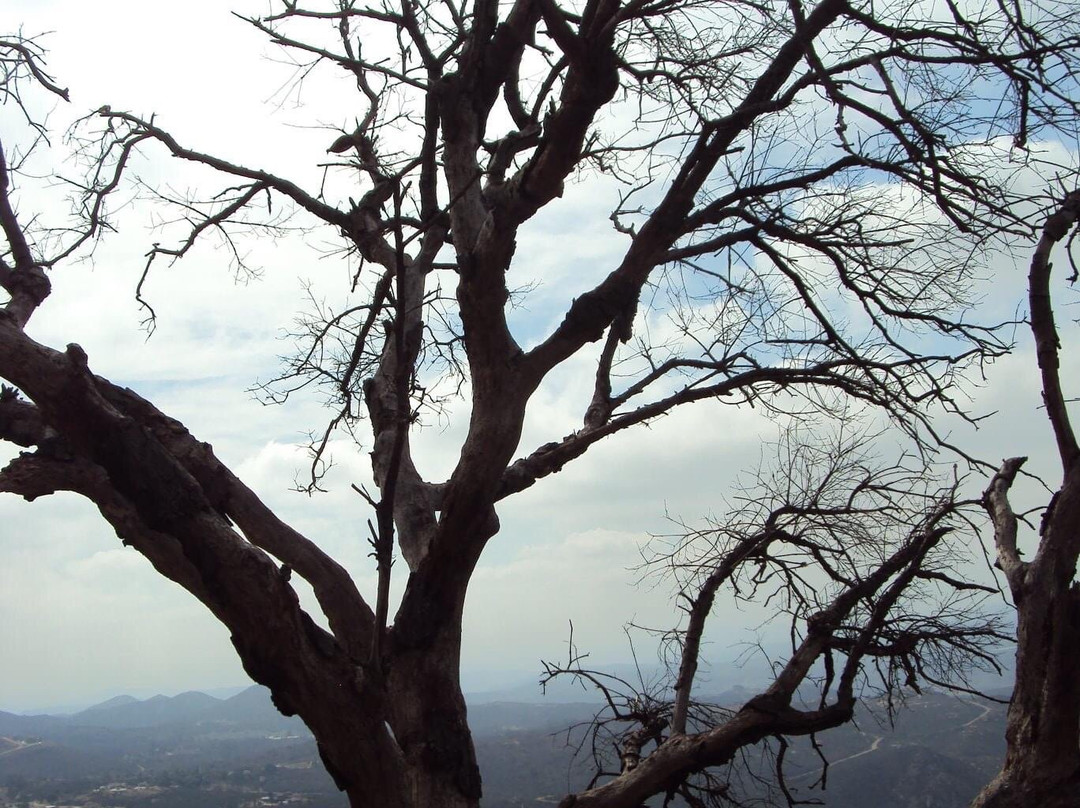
<point x="1042" y="762"/>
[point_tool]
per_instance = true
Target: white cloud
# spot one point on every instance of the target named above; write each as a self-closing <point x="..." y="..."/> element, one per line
<point x="81" y="617"/>
<point x="520" y="611"/>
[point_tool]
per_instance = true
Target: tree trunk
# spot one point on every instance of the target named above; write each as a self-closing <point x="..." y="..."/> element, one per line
<point x="1042" y="764"/>
<point x="415" y="716"/>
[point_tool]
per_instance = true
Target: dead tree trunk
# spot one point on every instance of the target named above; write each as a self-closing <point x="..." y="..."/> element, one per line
<point x="1042" y="764"/>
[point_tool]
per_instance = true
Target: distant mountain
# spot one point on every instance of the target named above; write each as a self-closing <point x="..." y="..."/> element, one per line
<point x="115" y="701"/>
<point x="253" y="708"/>
<point x="23" y="725"/>
<point x="177" y="752"/>
<point x="42" y="760"/>
<point x="125" y="712"/>
<point x="219" y="752"/>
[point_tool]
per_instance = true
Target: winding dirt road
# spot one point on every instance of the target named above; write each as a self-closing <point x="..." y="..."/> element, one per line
<point x="18" y="745"/>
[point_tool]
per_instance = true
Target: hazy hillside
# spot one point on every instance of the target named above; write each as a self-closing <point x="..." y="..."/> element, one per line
<point x="196" y="751"/>
<point x="124" y="712"/>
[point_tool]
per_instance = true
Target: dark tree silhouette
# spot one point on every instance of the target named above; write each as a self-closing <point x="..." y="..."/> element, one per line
<point x="1042" y="764"/>
<point x="857" y="553"/>
<point x="810" y="193"/>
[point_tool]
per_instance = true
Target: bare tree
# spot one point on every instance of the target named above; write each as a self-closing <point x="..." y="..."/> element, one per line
<point x="859" y="554"/>
<point x="1042" y="763"/>
<point x="757" y="142"/>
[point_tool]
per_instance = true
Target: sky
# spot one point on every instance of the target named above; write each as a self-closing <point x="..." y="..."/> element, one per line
<point x="83" y="618"/>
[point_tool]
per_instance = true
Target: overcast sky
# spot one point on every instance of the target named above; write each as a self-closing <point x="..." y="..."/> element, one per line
<point x="83" y="618"/>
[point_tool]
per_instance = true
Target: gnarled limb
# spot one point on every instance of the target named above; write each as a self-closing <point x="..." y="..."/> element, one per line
<point x="1005" y="522"/>
<point x="147" y="493"/>
<point x="846" y="543"/>
<point x="1042" y="760"/>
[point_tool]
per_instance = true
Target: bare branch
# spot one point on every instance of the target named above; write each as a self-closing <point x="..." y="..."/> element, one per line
<point x="1047" y="344"/>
